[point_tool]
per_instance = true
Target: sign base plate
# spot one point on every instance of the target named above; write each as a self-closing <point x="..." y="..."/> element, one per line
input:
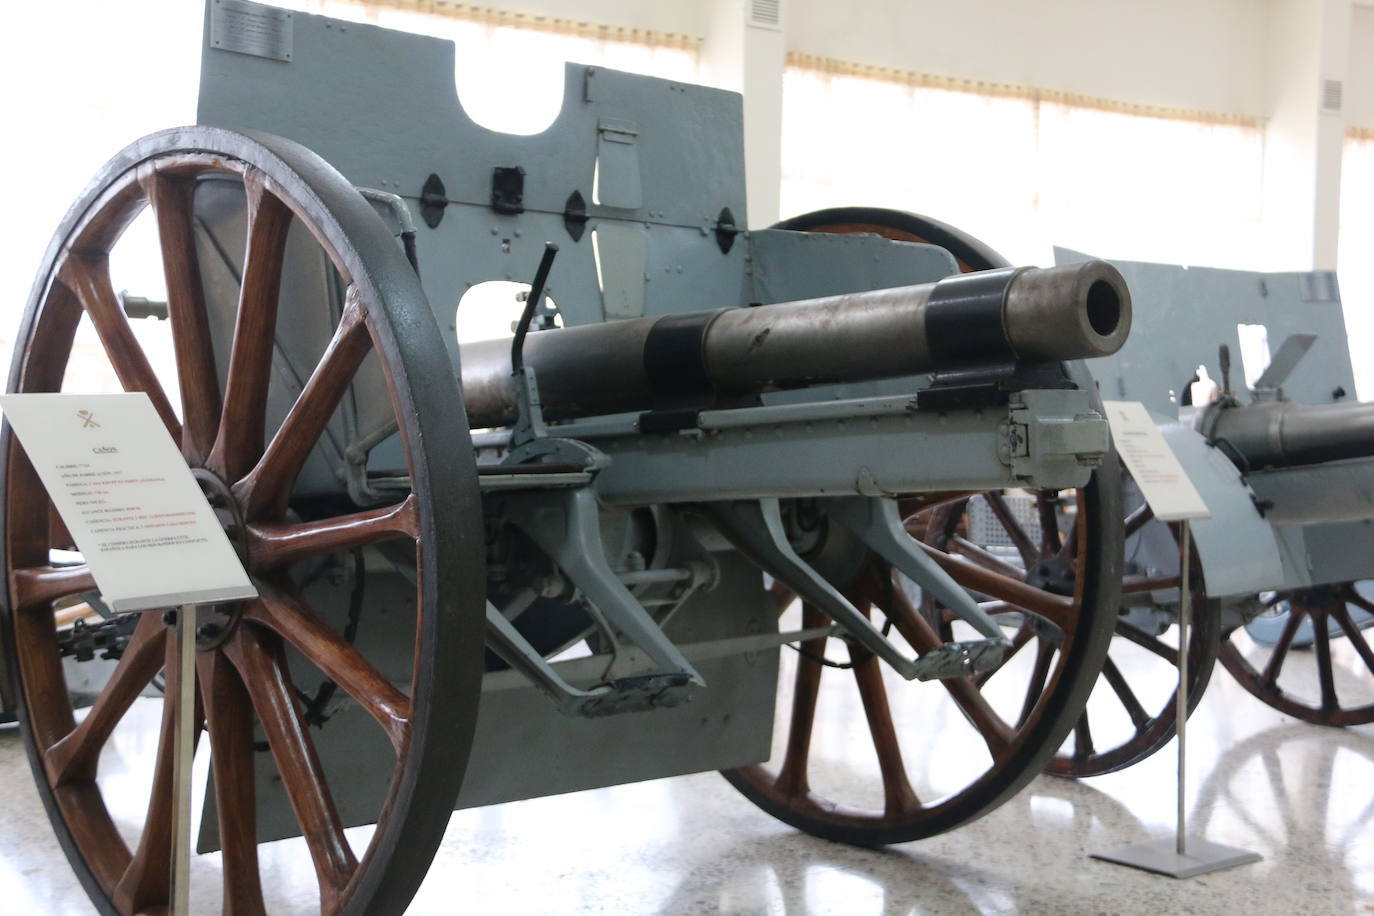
<point x="1161" y="857"/>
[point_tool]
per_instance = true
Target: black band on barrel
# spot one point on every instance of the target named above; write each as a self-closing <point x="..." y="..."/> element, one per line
<point x="964" y="318"/>
<point x="675" y="355"/>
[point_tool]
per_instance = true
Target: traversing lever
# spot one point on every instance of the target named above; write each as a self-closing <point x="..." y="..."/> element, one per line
<point x="529" y="420"/>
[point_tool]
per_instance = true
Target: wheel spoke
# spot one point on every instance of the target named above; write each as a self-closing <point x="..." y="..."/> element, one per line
<point x="1131" y="585"/>
<point x="74" y="758"/>
<point x="1322" y="648"/>
<point x="1083" y="737"/>
<point x="1018" y="642"/>
<point x="792" y="776"/>
<point x="1057" y="609"/>
<point x="1137" y="519"/>
<point x="918" y="632"/>
<point x="1045" y="503"/>
<point x="39" y="586"/>
<point x="1139" y="717"/>
<point x="91" y="827"/>
<point x="1030" y="555"/>
<point x="1146" y="641"/>
<point x="264" y="491"/>
<point x="921" y="502"/>
<point x="147" y="879"/>
<point x="980" y="556"/>
<point x="1354" y="597"/>
<point x="89" y="279"/>
<point x="230" y="721"/>
<point x="1044" y="656"/>
<point x="1270" y="674"/>
<point x="1069" y="549"/>
<point x="262" y="667"/>
<point x="40" y="670"/>
<point x="172" y="200"/>
<point x="293" y="620"/>
<point x="273" y="546"/>
<point x="1356" y="638"/>
<point x="898" y="797"/>
<point x="243" y="423"/>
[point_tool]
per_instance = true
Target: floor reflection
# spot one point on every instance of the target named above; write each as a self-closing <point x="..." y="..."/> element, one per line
<point x="1301" y="795"/>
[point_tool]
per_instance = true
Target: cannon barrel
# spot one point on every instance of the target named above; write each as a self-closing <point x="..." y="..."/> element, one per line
<point x="1284" y="434"/>
<point x="1076" y="311"/>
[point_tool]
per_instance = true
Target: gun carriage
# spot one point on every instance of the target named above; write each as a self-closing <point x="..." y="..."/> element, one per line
<point x="499" y="570"/>
<point x="1283" y="461"/>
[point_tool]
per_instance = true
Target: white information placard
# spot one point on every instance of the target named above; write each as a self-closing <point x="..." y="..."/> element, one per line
<point x="129" y="500"/>
<point x="1155" y="467"/>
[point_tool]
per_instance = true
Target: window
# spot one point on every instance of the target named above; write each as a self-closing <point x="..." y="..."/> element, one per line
<point x="1024" y="169"/>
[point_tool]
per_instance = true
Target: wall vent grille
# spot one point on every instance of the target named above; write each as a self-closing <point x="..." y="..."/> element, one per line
<point x="1332" y="90"/>
<point x="765" y="13"/>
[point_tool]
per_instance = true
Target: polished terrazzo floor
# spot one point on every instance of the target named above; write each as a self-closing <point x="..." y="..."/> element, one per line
<point x="1300" y="795"/>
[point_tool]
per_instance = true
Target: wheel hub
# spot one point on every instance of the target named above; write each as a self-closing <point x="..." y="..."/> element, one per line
<point x="1316" y="598"/>
<point x="1058" y="577"/>
<point x="215" y="623"/>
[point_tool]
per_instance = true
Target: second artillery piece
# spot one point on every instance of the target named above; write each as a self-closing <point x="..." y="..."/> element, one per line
<point x="572" y="594"/>
<point x="1280" y="570"/>
<point x="1282" y="453"/>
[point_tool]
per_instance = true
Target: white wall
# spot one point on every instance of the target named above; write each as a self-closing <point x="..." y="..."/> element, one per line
<point x="1220" y="55"/>
<point x="1359" y="84"/>
<point x="1179" y="53"/>
<point x="684" y="17"/>
<point x="1207" y="54"/>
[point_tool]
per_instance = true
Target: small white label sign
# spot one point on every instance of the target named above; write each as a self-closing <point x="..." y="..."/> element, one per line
<point x="1162" y="480"/>
<point x="129" y="500"/>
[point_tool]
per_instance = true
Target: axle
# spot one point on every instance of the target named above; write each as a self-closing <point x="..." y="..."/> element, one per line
<point x="1076" y="311"/>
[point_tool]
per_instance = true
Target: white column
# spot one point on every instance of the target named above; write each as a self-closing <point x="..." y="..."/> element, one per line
<point x="749" y="59"/>
<point x="1308" y="46"/>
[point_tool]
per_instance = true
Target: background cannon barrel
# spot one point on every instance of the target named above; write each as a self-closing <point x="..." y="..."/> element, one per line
<point x="1284" y="434"/>
<point x="1076" y="311"/>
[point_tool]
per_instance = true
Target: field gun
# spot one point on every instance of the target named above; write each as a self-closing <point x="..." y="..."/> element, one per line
<point x="1283" y="456"/>
<point x="569" y="556"/>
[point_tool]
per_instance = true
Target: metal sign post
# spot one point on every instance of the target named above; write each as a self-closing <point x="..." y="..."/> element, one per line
<point x="1185" y="622"/>
<point x="183" y="758"/>
<point x="1173" y="498"/>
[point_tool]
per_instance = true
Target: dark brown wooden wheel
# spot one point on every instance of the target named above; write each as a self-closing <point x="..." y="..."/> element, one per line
<point x="945" y="752"/>
<point x="1319" y="666"/>
<point x="110" y="805"/>
<point x="1133" y="709"/>
<point x="1123" y="724"/>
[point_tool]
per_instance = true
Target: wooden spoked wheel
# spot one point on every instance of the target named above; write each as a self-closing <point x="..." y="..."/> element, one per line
<point x="1122" y="724"/>
<point x="947" y="752"/>
<point x="252" y="656"/>
<point x="1320" y="668"/>
<point x="1133" y="709"/>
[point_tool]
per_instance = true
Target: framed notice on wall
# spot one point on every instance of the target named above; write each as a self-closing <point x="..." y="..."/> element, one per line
<point x="135" y="511"/>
